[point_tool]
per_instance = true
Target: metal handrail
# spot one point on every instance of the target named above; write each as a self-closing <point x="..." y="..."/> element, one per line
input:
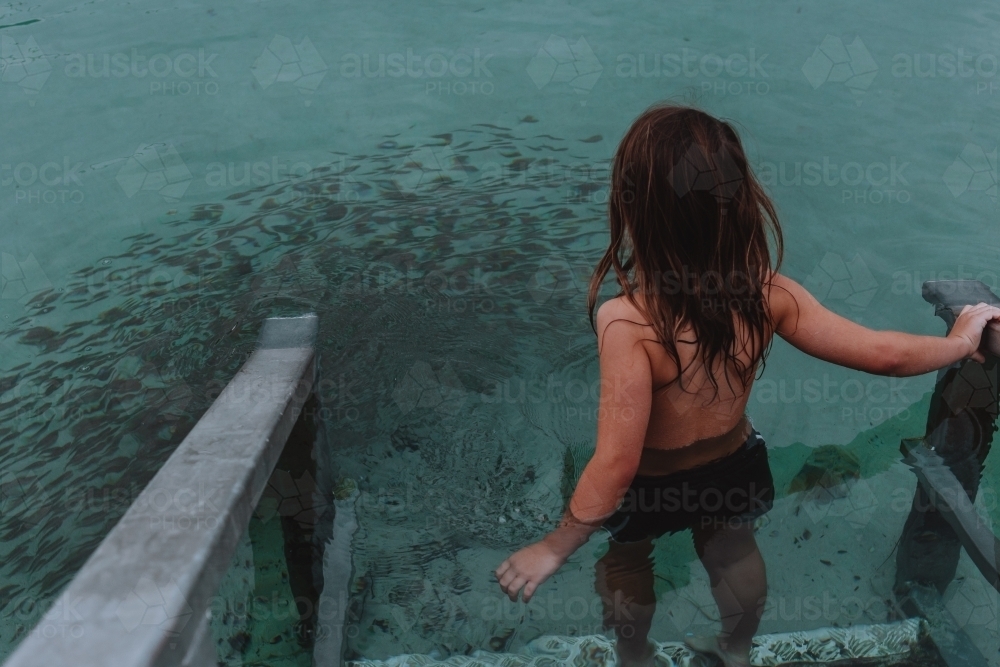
<point x="141" y="599"/>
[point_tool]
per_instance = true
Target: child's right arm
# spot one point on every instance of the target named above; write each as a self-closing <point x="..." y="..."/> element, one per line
<point x="801" y="320"/>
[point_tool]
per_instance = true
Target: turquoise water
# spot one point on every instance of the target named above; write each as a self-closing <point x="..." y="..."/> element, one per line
<point x="442" y="213"/>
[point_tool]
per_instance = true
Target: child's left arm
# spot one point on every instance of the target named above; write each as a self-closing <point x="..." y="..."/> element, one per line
<point x="623" y="414"/>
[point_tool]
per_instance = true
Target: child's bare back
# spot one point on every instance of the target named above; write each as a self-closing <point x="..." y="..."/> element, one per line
<point x="694" y="408"/>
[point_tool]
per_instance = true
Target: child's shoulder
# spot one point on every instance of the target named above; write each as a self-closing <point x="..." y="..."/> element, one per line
<point x="620" y="309"/>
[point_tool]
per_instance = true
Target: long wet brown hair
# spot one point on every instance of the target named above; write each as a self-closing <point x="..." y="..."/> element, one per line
<point x="690" y="229"/>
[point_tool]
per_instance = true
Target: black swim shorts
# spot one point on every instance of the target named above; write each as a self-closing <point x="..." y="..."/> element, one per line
<point x="726" y="492"/>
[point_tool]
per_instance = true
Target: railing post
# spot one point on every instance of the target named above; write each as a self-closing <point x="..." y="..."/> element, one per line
<point x="948" y="463"/>
<point x="142" y="598"/>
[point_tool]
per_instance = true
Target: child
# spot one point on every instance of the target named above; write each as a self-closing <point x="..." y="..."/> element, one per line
<point x="679" y="349"/>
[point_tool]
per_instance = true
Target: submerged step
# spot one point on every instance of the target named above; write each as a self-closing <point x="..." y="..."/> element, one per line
<point x="878" y="644"/>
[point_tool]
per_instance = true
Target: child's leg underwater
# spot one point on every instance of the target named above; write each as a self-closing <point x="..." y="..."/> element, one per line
<point x="739" y="585"/>
<point x="625" y="583"/>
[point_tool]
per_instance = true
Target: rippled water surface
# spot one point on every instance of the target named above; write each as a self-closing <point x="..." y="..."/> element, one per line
<point x="430" y="178"/>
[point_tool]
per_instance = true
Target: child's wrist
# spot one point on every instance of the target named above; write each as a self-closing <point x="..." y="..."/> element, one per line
<point x="962" y="346"/>
<point x="568" y="537"/>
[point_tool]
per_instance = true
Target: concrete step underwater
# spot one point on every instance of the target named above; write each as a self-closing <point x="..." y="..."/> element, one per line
<point x="901" y="643"/>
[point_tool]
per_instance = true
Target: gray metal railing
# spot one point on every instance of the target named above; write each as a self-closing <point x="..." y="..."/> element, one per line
<point x="142" y="597"/>
<point x="947" y="461"/>
<point x="949" y="495"/>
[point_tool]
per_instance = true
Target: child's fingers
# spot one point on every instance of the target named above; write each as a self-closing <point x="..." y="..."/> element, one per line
<point x="967" y="308"/>
<point x="529" y="590"/>
<point x="504" y="566"/>
<point x="515" y="588"/>
<point x="508" y="577"/>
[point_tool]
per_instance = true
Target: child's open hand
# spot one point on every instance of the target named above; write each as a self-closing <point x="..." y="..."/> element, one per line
<point x="528" y="568"/>
<point x="970" y="324"/>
